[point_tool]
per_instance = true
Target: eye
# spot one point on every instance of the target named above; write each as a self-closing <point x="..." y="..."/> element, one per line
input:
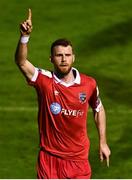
<point x="68" y="55"/>
<point x="58" y="55"/>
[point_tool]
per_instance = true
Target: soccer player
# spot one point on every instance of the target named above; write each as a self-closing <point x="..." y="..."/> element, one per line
<point x="64" y="96"/>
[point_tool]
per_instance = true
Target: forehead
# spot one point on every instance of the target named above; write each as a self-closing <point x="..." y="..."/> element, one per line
<point x="62" y="49"/>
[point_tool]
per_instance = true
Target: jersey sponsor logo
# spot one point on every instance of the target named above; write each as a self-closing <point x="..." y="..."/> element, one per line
<point x="55" y="108"/>
<point x="72" y="112"/>
<point x="82" y="97"/>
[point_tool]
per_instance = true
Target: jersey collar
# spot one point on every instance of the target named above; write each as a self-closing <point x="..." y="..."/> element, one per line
<point x="77" y="79"/>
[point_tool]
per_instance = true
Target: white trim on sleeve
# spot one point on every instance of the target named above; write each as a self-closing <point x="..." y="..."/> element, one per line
<point x="46" y="73"/>
<point x="35" y="75"/>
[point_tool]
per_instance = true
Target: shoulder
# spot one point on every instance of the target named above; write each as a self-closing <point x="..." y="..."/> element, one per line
<point x="45" y="73"/>
<point x="41" y="74"/>
<point x="88" y="79"/>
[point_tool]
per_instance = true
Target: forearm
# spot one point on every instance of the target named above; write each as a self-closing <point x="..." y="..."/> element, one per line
<point x="100" y="120"/>
<point x="21" y="52"/>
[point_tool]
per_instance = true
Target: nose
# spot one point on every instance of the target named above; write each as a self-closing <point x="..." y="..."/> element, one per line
<point x="63" y="58"/>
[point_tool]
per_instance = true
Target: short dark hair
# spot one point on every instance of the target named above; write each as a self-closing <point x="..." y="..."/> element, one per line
<point x="60" y="42"/>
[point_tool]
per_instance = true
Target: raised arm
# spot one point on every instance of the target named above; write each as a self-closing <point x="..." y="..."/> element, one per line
<point x="22" y="48"/>
<point x="100" y="120"/>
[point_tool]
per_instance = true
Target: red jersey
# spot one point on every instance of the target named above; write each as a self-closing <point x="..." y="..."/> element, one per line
<point x="62" y="113"/>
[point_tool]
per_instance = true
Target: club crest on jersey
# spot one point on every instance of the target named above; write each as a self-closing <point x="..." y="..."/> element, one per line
<point x="82" y="97"/>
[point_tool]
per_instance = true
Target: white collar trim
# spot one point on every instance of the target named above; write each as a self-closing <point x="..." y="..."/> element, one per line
<point x="77" y="80"/>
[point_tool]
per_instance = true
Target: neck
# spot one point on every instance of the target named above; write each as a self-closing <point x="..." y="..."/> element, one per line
<point x="67" y="78"/>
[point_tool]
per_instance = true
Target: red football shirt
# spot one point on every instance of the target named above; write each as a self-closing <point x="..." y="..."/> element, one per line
<point x="62" y="113"/>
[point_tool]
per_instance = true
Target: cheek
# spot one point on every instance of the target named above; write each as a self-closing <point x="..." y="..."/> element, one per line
<point x="55" y="62"/>
<point x="71" y="61"/>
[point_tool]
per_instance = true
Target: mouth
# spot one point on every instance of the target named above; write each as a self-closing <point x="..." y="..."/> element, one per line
<point x="63" y="69"/>
<point x="63" y="65"/>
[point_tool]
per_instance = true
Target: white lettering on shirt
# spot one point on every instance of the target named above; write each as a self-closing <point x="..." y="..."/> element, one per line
<point x="70" y="112"/>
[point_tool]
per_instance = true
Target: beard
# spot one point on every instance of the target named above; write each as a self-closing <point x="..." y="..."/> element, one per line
<point x="62" y="70"/>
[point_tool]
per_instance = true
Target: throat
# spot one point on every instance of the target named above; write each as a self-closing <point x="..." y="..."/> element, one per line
<point x="67" y="78"/>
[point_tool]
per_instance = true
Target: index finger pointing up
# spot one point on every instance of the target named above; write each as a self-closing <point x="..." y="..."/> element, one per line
<point x="29" y="14"/>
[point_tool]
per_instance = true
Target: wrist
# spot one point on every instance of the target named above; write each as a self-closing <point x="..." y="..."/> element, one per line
<point x="24" y="39"/>
<point x="102" y="142"/>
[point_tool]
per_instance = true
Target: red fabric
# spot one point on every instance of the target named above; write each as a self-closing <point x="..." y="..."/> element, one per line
<point x="52" y="167"/>
<point x="62" y="116"/>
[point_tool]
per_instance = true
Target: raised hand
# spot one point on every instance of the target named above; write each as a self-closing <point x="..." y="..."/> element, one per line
<point x="26" y="26"/>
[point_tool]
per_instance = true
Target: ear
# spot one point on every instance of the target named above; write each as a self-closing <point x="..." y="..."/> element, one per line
<point x="73" y="58"/>
<point x="51" y="60"/>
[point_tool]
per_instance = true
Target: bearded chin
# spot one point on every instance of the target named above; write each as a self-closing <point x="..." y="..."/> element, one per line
<point x="63" y="72"/>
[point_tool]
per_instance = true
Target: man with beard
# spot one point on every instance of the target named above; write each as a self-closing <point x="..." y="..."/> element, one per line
<point x="64" y="96"/>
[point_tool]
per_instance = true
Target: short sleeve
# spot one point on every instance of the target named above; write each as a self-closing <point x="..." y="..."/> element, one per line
<point x="95" y="101"/>
<point x="32" y="81"/>
<point x="39" y="77"/>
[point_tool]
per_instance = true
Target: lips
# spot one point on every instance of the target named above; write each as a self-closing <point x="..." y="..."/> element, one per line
<point x="64" y="65"/>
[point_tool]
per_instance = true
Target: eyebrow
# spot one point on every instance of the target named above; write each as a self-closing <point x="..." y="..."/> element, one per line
<point x="59" y="54"/>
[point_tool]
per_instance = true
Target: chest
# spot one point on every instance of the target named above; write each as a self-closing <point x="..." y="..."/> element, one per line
<point x="77" y="94"/>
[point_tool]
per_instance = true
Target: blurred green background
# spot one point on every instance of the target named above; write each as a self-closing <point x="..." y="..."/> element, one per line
<point x="101" y="32"/>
